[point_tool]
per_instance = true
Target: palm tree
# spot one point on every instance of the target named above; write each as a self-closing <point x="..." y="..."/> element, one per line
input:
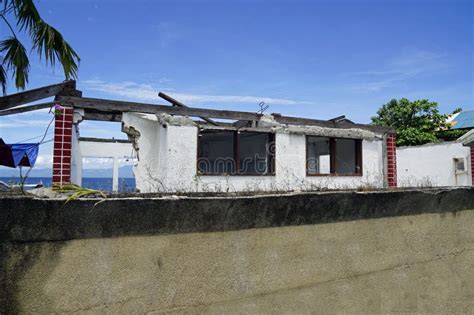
<point x="46" y="41"/>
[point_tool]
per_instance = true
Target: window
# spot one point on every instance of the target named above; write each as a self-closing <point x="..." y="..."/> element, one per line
<point x="216" y="152"/>
<point x="235" y="153"/>
<point x="459" y="166"/>
<point x="318" y="159"/>
<point x="345" y="152"/>
<point x="333" y="156"/>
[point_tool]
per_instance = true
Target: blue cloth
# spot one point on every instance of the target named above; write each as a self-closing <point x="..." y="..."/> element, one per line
<point x="22" y="154"/>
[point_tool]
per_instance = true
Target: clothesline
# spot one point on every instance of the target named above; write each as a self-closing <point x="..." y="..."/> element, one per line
<point x="22" y="141"/>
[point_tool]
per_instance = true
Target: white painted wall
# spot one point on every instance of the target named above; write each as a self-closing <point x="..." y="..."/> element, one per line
<point x="290" y="171"/>
<point x="432" y="165"/>
<point x="150" y="167"/>
<point x="168" y="158"/>
<point x="76" y="158"/>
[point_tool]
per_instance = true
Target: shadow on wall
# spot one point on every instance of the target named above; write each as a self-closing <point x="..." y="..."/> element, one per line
<point x="18" y="260"/>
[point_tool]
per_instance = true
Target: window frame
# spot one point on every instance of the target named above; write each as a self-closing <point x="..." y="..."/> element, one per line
<point x="236" y="154"/>
<point x="332" y="157"/>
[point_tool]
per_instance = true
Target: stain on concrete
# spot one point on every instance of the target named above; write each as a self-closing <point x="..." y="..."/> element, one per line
<point x="32" y="219"/>
<point x="352" y="251"/>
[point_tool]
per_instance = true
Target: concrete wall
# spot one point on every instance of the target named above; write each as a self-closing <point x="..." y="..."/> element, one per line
<point x="168" y="163"/>
<point x="76" y="157"/>
<point x="383" y="252"/>
<point x="152" y="149"/>
<point x="432" y="165"/>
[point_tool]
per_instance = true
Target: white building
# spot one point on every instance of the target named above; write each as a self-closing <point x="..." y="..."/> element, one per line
<point x="181" y="149"/>
<point x="434" y="164"/>
<point x="178" y="154"/>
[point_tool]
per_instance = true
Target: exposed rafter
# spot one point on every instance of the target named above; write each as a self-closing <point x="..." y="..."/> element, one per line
<point x="118" y="107"/>
<point x="112" y="106"/>
<point x="101" y="116"/>
<point x="179" y="104"/>
<point x="111" y="110"/>
<point x="14" y="100"/>
<point x="24" y="109"/>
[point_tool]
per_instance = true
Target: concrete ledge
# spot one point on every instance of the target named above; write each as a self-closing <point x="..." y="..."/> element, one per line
<point x="24" y="219"/>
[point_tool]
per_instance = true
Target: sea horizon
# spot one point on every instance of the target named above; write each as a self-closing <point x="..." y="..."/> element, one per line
<point x="126" y="184"/>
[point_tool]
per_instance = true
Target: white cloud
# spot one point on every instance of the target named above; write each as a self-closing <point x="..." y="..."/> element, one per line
<point x="103" y="163"/>
<point x="147" y="92"/>
<point x="18" y="123"/>
<point x="411" y="63"/>
<point x="44" y="161"/>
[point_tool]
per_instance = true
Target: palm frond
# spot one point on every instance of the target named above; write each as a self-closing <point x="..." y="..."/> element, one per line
<point x="78" y="191"/>
<point x="16" y="60"/>
<point x="5" y="5"/>
<point x="3" y="79"/>
<point x="8" y="5"/>
<point x="27" y="15"/>
<point x="51" y="45"/>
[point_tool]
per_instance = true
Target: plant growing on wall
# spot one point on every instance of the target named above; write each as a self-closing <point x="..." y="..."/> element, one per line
<point x="46" y="41"/>
<point x="416" y="122"/>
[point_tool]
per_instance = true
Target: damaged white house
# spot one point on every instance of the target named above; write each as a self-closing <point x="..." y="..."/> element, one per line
<point x="182" y="149"/>
<point x="177" y="153"/>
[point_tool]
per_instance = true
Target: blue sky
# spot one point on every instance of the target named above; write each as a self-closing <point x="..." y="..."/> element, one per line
<point x="315" y="59"/>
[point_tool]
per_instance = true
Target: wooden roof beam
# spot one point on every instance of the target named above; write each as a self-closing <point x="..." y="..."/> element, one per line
<point x="179" y="104"/>
<point x="113" y="106"/>
<point x="24" y="109"/>
<point x="101" y="116"/>
<point x="13" y="100"/>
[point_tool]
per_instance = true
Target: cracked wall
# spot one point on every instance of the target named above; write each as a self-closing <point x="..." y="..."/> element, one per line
<point x="414" y="256"/>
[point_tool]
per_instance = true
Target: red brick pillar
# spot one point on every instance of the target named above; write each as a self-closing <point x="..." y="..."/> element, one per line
<point x="472" y="165"/>
<point x="62" y="147"/>
<point x="392" y="160"/>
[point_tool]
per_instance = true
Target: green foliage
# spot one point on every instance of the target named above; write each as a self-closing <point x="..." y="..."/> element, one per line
<point x="46" y="41"/>
<point x="416" y="122"/>
<point x="3" y="79"/>
<point x="451" y="134"/>
<point x="15" y="59"/>
<point x="51" y="44"/>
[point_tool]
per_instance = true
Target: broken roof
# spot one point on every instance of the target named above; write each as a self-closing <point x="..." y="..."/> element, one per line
<point x="111" y="110"/>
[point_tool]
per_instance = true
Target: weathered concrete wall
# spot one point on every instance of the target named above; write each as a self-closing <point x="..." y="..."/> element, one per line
<point x="377" y="253"/>
<point x="432" y="165"/>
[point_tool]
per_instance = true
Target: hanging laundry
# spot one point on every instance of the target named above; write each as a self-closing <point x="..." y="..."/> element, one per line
<point x="21" y="154"/>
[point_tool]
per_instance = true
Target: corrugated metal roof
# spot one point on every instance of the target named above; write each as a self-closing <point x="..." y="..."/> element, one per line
<point x="463" y="120"/>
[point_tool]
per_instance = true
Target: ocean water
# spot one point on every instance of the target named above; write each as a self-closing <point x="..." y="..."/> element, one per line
<point x="105" y="184"/>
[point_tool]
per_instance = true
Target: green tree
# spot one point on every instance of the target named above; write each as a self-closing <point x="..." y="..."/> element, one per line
<point x="416" y="122"/>
<point x="45" y="40"/>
